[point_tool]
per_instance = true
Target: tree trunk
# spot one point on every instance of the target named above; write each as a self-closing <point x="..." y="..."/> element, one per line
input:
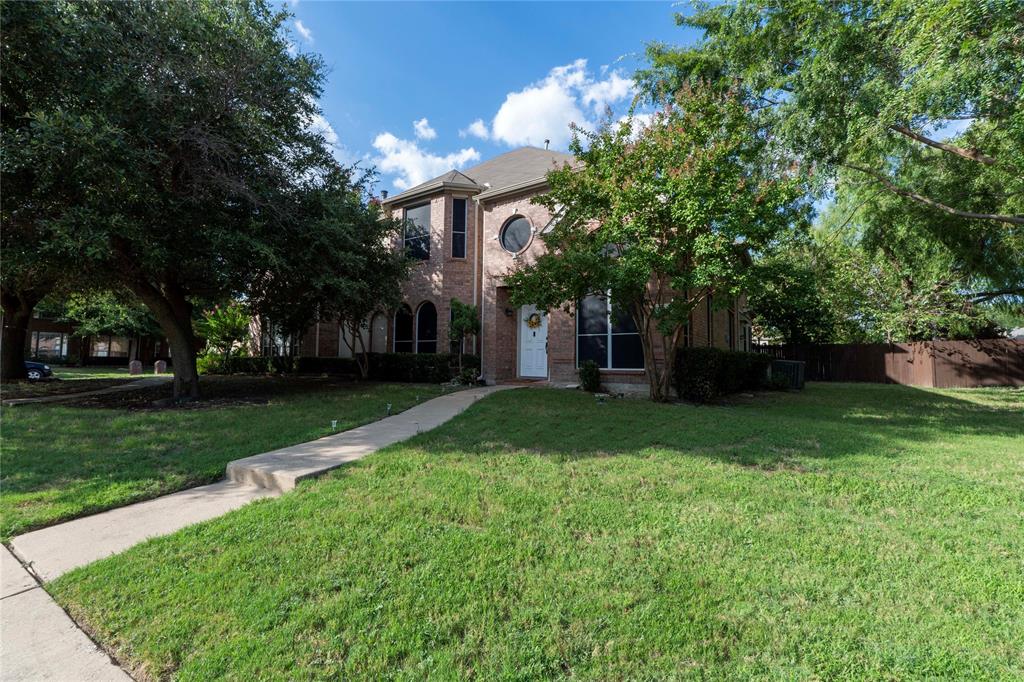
<point x="17" y="309"/>
<point x="12" y="344"/>
<point x="173" y="313"/>
<point x="183" y="358"/>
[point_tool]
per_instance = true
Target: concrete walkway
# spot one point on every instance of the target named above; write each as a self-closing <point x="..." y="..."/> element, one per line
<point x="38" y="641"/>
<point x="53" y="551"/>
<point x="281" y="469"/>
<point x="63" y="397"/>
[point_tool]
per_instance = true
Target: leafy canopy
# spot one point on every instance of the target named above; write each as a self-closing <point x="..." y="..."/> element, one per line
<point x="662" y="217"/>
<point x="174" y="154"/>
<point x="875" y="91"/>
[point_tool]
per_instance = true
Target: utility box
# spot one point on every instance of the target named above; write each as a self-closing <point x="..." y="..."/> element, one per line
<point x="791" y="370"/>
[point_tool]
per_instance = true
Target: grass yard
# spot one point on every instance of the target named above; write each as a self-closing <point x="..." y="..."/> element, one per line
<point x="68" y="380"/>
<point x="58" y="462"/>
<point x="113" y="372"/>
<point x="848" y="532"/>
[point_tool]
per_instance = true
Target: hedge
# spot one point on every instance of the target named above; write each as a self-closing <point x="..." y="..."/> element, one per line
<point x="415" y="368"/>
<point x="703" y="374"/>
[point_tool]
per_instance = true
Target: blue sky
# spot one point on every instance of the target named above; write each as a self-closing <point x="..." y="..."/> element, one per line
<point x="486" y="77"/>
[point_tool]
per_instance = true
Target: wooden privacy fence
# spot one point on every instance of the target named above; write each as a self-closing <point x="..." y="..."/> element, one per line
<point x="939" y="364"/>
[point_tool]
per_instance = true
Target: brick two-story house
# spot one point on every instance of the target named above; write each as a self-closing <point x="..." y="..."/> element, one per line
<point x="468" y="228"/>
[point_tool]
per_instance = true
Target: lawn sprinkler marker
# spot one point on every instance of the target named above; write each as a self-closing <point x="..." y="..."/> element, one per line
<point x="387" y="409"/>
<point x="334" y="425"/>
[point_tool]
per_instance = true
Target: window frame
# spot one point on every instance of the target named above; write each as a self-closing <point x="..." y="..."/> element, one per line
<point x="423" y="239"/>
<point x="404" y="308"/>
<point x="62" y="344"/>
<point x="504" y="228"/>
<point x="417" y="341"/>
<point x="609" y="335"/>
<point x="464" y="232"/>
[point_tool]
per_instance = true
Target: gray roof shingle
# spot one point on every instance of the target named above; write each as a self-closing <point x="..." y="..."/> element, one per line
<point x="511" y="168"/>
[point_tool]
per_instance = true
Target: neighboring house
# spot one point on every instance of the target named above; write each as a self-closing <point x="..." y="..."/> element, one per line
<point x="468" y="228"/>
<point x="54" y="340"/>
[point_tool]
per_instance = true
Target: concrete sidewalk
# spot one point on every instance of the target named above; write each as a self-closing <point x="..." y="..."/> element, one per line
<point x="56" y="550"/>
<point x="282" y="469"/>
<point x="40" y="641"/>
<point x="64" y="397"/>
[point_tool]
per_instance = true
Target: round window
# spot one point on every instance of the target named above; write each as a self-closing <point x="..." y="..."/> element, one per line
<point x="515" y="235"/>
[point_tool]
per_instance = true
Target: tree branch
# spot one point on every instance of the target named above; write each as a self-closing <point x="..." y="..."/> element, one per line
<point x="921" y="199"/>
<point x="989" y="295"/>
<point x="971" y="154"/>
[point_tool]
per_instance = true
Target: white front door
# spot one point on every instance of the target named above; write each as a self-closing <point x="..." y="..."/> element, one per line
<point x="533" y="342"/>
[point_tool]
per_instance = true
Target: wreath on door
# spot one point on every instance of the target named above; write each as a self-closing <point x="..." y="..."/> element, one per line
<point x="533" y="321"/>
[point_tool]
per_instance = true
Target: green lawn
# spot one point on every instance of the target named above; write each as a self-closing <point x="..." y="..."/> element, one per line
<point x="77" y="373"/>
<point x="848" y="532"/>
<point x="59" y="462"/>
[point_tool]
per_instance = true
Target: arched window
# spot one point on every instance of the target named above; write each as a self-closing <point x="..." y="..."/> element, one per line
<point x="379" y="334"/>
<point x="403" y="329"/>
<point x="426" y="328"/>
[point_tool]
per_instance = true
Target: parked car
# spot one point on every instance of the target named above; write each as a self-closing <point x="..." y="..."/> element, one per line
<point x="37" y="370"/>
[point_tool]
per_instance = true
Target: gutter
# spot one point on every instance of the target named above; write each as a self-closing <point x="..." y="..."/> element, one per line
<point x="427" y="190"/>
<point x="512" y="189"/>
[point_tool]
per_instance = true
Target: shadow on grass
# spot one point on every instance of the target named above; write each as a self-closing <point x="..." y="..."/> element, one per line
<point x="824" y="421"/>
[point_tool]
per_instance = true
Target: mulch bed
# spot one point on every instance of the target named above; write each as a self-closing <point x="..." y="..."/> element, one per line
<point x="39" y="389"/>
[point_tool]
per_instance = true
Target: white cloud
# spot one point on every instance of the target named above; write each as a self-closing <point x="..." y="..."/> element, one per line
<point x="423" y="129"/>
<point x="600" y="94"/>
<point x="304" y="31"/>
<point x="543" y="110"/>
<point x="477" y="129"/>
<point x="413" y="165"/>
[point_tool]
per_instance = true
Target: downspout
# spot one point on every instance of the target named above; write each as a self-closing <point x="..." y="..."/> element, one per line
<point x="480" y="255"/>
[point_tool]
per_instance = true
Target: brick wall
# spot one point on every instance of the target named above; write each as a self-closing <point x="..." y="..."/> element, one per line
<point x="500" y="331"/>
<point x="442" y="277"/>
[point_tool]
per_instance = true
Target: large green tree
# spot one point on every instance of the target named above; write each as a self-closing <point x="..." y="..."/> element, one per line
<point x="347" y="270"/>
<point x="177" y="144"/>
<point x="663" y="217"/>
<point x="875" y="91"/>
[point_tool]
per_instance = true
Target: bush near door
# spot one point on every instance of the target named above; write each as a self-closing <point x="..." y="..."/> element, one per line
<point x="703" y="374"/>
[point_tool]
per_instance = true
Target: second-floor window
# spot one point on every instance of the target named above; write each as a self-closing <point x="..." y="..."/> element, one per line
<point x="417" y="231"/>
<point x="458" y="228"/>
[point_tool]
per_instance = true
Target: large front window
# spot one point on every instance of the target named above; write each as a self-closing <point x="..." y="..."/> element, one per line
<point x="607" y="335"/>
<point x="109" y="347"/>
<point x="417" y="231"/>
<point x="49" y="345"/>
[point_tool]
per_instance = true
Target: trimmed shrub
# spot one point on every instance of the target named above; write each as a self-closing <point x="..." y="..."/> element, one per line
<point x="590" y="376"/>
<point x="407" y="367"/>
<point x="426" y="368"/>
<point x="313" y="365"/>
<point x="468" y="376"/>
<point x="703" y="374"/>
<point x="210" y="363"/>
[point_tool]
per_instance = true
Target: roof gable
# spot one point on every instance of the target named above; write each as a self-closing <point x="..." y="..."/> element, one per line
<point x="506" y="170"/>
